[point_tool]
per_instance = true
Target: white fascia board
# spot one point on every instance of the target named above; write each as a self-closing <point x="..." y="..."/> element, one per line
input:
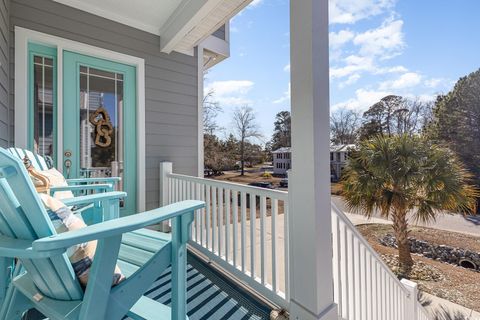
<point x="188" y="14"/>
<point x="217" y="45"/>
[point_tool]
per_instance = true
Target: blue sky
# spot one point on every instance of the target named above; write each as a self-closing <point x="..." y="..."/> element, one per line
<point x="377" y="47"/>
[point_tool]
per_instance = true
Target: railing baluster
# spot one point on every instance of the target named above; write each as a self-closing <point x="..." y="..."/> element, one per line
<point x="220" y="221"/>
<point x="208" y="206"/>
<point x="345" y="277"/>
<point x="253" y="233"/>
<point x="201" y="196"/>
<point x="243" y="229"/>
<point x="275" y="263"/>
<point x="263" y="214"/>
<point x="235" y="226"/>
<point x="286" y="250"/>
<point x="228" y="221"/>
<point x="214" y="218"/>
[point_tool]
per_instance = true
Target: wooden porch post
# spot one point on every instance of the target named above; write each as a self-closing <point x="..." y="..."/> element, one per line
<point x="310" y="245"/>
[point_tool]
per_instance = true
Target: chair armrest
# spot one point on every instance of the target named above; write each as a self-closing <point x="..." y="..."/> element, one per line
<point x="116" y="227"/>
<point x="103" y="186"/>
<point x="109" y="180"/>
<point x="81" y="200"/>
<point x="22" y="249"/>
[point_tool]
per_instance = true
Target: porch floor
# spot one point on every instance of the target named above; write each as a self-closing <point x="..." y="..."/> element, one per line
<point x="209" y="296"/>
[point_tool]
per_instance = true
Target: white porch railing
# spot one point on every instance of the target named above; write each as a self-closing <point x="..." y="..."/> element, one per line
<point x="364" y="286"/>
<point x="242" y="229"/>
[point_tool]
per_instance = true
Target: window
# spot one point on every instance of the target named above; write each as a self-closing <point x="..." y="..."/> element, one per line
<point x="338" y="156"/>
<point x="331" y="156"/>
<point x="42" y="100"/>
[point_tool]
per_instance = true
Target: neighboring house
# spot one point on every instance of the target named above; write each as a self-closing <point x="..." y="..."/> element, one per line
<point x="147" y="59"/>
<point x="282" y="160"/>
<point x="338" y="159"/>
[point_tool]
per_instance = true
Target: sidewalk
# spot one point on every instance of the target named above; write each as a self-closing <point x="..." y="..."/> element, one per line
<point x="453" y="309"/>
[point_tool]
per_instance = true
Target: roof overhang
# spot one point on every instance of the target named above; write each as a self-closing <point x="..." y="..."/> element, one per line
<point x="181" y="24"/>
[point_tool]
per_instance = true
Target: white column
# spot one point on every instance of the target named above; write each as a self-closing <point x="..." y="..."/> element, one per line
<point x="200" y="71"/>
<point x="310" y="245"/>
<point x="411" y="303"/>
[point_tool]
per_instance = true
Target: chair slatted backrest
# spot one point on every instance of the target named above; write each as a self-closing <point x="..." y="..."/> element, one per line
<point x="23" y="216"/>
<point x="38" y="162"/>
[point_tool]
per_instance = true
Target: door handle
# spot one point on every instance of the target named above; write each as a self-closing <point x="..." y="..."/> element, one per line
<point x="68" y="165"/>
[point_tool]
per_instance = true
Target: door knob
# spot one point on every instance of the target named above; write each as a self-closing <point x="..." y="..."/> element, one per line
<point x="68" y="165"/>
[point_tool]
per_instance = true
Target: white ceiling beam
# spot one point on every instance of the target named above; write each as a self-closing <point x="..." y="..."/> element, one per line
<point x="185" y="18"/>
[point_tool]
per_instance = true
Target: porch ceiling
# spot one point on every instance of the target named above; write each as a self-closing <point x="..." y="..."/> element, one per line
<point x="181" y="24"/>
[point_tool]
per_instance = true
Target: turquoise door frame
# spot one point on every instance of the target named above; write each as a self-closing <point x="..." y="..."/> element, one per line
<point x="71" y="119"/>
<point x="37" y="50"/>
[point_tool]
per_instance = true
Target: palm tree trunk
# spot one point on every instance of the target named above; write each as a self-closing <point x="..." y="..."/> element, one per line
<point x="400" y="226"/>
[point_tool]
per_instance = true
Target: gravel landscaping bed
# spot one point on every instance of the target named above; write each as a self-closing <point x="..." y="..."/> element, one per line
<point x="447" y="281"/>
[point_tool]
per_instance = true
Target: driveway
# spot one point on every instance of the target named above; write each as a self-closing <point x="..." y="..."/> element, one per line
<point x="449" y="222"/>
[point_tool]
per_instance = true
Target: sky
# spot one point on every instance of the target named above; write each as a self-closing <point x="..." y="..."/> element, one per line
<point x="377" y="47"/>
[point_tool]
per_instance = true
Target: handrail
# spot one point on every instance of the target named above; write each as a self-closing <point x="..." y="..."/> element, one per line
<point x="280" y="195"/>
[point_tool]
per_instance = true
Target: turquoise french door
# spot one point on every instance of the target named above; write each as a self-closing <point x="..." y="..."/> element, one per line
<point x="99" y="122"/>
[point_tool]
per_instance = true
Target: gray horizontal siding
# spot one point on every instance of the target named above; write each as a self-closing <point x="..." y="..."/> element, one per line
<point x="4" y="73"/>
<point x="220" y="33"/>
<point x="171" y="80"/>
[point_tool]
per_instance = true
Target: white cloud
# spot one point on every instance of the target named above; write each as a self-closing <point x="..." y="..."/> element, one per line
<point x="406" y="80"/>
<point x="437" y="82"/>
<point x="286" y="96"/>
<point x="351" y="80"/>
<point x="231" y="92"/>
<point x="351" y="11"/>
<point x="287" y="68"/>
<point x="338" y="39"/>
<point x="385" y="42"/>
<point x="363" y="99"/>
<point x="355" y="64"/>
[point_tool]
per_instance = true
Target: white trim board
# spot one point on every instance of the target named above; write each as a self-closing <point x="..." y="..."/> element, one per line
<point x="22" y="37"/>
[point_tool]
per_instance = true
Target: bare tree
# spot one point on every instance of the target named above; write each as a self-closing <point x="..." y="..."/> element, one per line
<point x="211" y="108"/>
<point x="344" y="126"/>
<point x="420" y="113"/>
<point x="245" y="127"/>
<point x="394" y="115"/>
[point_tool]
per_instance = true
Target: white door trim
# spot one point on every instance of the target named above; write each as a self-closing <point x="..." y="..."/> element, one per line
<point x="22" y="38"/>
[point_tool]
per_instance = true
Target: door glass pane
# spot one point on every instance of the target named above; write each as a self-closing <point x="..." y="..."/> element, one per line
<point x="43" y="109"/>
<point x="101" y="128"/>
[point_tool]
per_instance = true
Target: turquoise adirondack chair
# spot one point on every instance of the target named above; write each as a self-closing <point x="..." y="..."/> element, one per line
<point x="77" y="185"/>
<point x="48" y="283"/>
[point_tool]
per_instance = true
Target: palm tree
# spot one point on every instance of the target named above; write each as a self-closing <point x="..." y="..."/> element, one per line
<point x="401" y="174"/>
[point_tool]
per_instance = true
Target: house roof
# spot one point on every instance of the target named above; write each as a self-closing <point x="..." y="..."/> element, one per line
<point x="181" y="24"/>
<point x="341" y="147"/>
<point x="283" y="150"/>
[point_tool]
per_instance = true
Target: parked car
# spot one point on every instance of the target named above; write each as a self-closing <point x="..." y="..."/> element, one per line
<point x="261" y="184"/>
<point x="284" y="183"/>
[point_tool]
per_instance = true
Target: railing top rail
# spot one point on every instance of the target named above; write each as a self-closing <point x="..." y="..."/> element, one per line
<point x="269" y="193"/>
<point x="363" y="241"/>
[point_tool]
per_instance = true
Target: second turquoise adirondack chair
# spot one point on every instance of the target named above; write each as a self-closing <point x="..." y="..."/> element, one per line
<point x="77" y="185"/>
<point x="92" y="213"/>
<point x="49" y="283"/>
